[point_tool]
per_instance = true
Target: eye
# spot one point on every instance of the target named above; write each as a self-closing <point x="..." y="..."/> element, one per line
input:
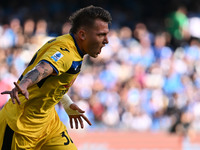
<point x="102" y="34"/>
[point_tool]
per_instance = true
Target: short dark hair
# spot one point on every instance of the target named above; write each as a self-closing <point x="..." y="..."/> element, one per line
<point x="86" y="17"/>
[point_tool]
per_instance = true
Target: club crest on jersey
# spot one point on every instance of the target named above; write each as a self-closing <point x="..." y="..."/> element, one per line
<point x="57" y="56"/>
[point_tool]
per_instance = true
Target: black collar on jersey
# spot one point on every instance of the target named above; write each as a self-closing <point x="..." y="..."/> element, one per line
<point x="79" y="50"/>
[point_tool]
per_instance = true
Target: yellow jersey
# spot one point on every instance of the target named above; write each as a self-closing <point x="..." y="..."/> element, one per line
<point x="37" y="115"/>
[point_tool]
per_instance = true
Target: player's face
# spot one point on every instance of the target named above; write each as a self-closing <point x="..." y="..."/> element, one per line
<point x="96" y="38"/>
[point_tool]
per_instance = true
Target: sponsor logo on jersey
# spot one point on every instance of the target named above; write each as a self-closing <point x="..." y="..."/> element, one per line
<point x="64" y="49"/>
<point x="57" y="56"/>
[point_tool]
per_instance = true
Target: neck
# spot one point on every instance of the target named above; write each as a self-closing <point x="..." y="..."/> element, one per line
<point x="79" y="43"/>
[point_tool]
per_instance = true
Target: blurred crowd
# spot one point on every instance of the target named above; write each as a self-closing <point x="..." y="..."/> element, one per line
<point x="142" y="80"/>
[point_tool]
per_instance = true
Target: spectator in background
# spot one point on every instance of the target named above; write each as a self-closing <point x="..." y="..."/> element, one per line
<point x="144" y="49"/>
<point x="41" y="27"/>
<point x="178" y="25"/>
<point x="7" y="37"/>
<point x="125" y="35"/>
<point x="29" y="27"/>
<point x="161" y="50"/>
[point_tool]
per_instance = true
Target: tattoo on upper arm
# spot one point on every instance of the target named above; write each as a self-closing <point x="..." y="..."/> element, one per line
<point x="45" y="71"/>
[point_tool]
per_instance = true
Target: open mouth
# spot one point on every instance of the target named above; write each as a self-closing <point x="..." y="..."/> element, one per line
<point x="99" y="51"/>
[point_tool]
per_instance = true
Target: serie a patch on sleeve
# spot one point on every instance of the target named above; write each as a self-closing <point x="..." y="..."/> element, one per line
<point x="56" y="56"/>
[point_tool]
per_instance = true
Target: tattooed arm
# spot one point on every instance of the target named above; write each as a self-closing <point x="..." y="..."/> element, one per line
<point x="41" y="71"/>
<point x="32" y="77"/>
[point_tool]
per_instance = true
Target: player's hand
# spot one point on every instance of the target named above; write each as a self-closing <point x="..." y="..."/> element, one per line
<point x="78" y="117"/>
<point x="14" y="93"/>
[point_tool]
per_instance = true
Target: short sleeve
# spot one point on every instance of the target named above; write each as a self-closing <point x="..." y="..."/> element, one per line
<point x="59" y="60"/>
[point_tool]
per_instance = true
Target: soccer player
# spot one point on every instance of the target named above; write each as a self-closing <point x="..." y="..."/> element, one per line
<point x="29" y="120"/>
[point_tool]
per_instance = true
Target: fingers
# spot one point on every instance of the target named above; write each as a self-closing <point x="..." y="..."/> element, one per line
<point x="5" y="92"/>
<point x="71" y="122"/>
<point x="14" y="94"/>
<point x="81" y="122"/>
<point x="18" y="87"/>
<point x="12" y="97"/>
<point x="17" y="98"/>
<point x="24" y="92"/>
<point x="26" y="95"/>
<point x="78" y="119"/>
<point x="75" y="121"/>
<point x="86" y="119"/>
<point x="80" y="110"/>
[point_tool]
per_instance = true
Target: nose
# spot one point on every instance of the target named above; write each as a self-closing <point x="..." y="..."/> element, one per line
<point x="105" y="41"/>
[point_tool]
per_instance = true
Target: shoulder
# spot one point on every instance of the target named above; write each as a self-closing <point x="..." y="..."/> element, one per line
<point x="66" y="44"/>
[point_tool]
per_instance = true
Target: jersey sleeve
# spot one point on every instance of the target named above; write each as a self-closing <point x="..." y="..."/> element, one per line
<point x="59" y="60"/>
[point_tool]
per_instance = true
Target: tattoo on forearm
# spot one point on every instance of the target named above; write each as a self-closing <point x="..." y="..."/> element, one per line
<point x="32" y="75"/>
<point x="36" y="74"/>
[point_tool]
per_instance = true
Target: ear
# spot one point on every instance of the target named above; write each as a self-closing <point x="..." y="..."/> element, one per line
<point x="82" y="34"/>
